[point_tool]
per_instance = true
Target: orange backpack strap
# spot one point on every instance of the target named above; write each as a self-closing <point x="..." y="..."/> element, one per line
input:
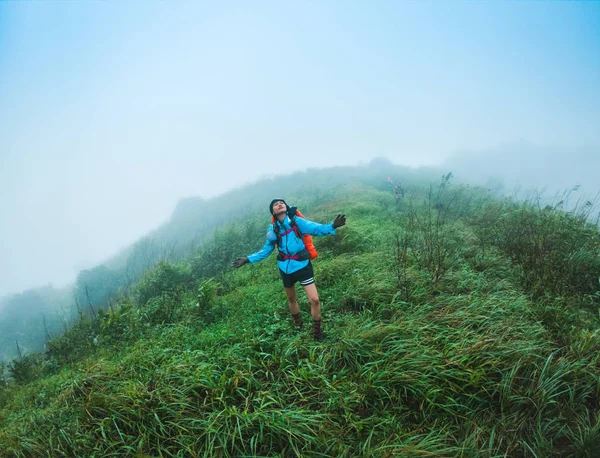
<point x="308" y="241"/>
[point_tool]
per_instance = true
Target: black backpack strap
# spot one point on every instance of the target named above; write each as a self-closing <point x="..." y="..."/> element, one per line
<point x="277" y="233"/>
<point x="292" y="213"/>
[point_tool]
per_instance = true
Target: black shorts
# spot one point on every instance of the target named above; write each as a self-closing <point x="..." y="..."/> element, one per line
<point x="305" y="276"/>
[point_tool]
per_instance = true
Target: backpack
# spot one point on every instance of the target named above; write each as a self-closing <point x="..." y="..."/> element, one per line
<point x="307" y="239"/>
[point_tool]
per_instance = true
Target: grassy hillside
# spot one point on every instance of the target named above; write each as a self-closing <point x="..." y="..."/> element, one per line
<point x="34" y="315"/>
<point x="459" y="326"/>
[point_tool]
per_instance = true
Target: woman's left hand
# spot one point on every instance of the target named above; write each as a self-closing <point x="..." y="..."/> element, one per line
<point x="339" y="221"/>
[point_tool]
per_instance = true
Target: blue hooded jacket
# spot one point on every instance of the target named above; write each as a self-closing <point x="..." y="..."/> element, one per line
<point x="290" y="243"/>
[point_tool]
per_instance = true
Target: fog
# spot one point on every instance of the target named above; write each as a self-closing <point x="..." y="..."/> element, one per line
<point x="525" y="171"/>
<point x="111" y="112"/>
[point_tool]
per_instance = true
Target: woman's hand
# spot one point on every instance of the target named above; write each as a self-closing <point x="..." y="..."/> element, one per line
<point x="340" y="220"/>
<point x="239" y="262"/>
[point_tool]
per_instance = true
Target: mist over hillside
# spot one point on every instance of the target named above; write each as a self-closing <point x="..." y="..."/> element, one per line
<point x="522" y="167"/>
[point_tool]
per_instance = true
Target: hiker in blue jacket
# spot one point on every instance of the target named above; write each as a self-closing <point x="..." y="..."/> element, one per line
<point x="293" y="257"/>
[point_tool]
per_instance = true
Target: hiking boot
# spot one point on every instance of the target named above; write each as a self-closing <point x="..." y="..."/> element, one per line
<point x="321" y="337"/>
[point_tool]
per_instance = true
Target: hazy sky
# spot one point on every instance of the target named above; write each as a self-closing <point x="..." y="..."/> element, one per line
<point x="112" y="110"/>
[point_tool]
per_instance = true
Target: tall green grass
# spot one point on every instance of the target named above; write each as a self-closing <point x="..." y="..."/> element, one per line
<point x="440" y="345"/>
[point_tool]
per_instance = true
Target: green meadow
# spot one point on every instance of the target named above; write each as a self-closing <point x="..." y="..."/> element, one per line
<point x="460" y="324"/>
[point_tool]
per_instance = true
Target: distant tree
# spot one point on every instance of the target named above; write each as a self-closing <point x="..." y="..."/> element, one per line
<point x="381" y="162"/>
<point x="94" y="287"/>
<point x="23" y="317"/>
<point x="145" y="254"/>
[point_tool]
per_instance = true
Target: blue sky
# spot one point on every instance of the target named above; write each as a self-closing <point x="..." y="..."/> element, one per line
<point x="110" y="111"/>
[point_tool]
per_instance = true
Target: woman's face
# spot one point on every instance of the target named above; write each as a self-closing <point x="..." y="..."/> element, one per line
<point x="279" y="207"/>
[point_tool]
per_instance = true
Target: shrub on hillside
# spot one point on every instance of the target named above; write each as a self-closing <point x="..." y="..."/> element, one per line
<point x="165" y="278"/>
<point x="25" y="369"/>
<point x="181" y="305"/>
<point x="77" y="343"/>
<point x="559" y="252"/>
<point x="161" y="309"/>
<point x="431" y="239"/>
<point x="348" y="240"/>
<point x="206" y="295"/>
<point x="119" y="324"/>
<point x="214" y="258"/>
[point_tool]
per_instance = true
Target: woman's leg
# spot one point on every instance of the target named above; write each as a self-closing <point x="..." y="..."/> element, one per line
<point x="313" y="298"/>
<point x="292" y="300"/>
<point x="293" y="304"/>
<point x="315" y="310"/>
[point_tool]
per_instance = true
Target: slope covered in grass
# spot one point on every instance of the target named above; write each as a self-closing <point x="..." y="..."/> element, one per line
<point x="459" y="326"/>
<point x="39" y="314"/>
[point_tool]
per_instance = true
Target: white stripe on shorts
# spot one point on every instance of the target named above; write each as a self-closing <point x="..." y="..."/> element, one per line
<point x="308" y="281"/>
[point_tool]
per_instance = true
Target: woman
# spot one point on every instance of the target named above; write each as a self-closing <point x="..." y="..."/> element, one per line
<point x="293" y="257"/>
